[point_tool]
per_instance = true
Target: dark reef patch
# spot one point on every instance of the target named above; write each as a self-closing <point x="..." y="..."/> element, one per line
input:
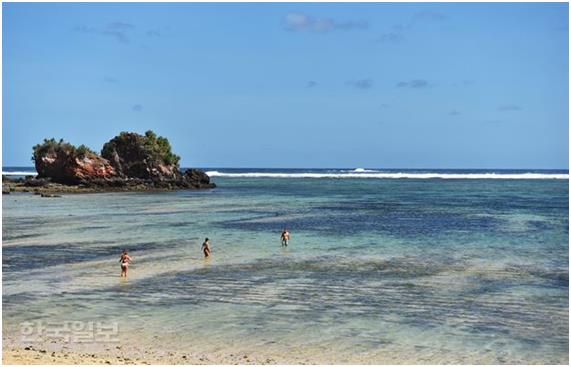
<point x="29" y="257"/>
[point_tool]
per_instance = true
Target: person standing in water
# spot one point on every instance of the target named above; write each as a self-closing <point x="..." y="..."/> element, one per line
<point x="206" y="247"/>
<point x="285" y="237"/>
<point x="125" y="260"/>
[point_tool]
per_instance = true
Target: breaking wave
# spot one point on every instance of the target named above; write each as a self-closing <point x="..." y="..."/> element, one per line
<point x="395" y="175"/>
<point x="363" y="170"/>
<point x="19" y="173"/>
<point x="369" y="173"/>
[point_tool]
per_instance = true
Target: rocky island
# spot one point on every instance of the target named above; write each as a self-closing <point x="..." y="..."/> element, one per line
<point x="128" y="162"/>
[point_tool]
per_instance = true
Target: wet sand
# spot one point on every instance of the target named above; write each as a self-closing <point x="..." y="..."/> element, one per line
<point x="39" y="356"/>
<point x="29" y="356"/>
<point x="52" y="352"/>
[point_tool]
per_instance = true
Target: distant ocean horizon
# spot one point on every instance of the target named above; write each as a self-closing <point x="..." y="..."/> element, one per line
<point x="378" y="173"/>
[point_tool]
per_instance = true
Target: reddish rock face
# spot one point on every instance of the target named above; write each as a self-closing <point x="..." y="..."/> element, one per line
<point x="164" y="171"/>
<point x="88" y="168"/>
<point x="127" y="160"/>
<point x="63" y="168"/>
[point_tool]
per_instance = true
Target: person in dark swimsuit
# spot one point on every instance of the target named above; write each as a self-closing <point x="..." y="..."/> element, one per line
<point x="206" y="247"/>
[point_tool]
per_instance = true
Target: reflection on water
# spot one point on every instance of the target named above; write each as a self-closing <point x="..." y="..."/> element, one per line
<point x="376" y="271"/>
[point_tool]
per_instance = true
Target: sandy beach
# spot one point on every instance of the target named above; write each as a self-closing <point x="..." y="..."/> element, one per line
<point x="58" y="356"/>
<point x="34" y="356"/>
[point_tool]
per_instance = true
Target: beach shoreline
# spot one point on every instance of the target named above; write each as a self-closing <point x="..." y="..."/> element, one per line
<point x="27" y="356"/>
<point x="56" y="354"/>
<point x="125" y="355"/>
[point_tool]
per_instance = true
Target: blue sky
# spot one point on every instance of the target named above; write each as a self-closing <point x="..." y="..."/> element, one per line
<point x="294" y="85"/>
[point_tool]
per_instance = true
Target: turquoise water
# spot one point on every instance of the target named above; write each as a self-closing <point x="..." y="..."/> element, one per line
<point x="378" y="270"/>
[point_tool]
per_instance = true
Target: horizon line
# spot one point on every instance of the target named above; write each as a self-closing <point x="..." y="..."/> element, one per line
<point x="373" y="168"/>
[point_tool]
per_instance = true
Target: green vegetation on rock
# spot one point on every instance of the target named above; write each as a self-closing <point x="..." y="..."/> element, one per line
<point x="160" y="148"/>
<point x="52" y="146"/>
<point x="149" y="146"/>
<point x="129" y="161"/>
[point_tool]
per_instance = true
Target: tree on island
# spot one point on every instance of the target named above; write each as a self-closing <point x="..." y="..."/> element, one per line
<point x="141" y="156"/>
<point x="52" y="146"/>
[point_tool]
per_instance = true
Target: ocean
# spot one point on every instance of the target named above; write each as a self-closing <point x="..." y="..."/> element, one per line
<point x="383" y="266"/>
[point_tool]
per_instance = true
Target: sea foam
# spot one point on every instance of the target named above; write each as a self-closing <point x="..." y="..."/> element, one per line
<point x="363" y="170"/>
<point x="397" y="175"/>
<point x="19" y="173"/>
<point x="366" y="173"/>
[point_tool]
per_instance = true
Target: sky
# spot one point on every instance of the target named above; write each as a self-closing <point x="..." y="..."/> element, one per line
<point x="294" y="85"/>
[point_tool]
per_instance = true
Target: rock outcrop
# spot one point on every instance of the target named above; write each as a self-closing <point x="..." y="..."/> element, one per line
<point x="129" y="161"/>
<point x="197" y="178"/>
<point x="64" y="163"/>
<point x="142" y="156"/>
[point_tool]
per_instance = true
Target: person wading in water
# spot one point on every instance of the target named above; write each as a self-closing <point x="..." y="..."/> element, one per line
<point x="206" y="248"/>
<point x="125" y="260"/>
<point x="285" y="237"/>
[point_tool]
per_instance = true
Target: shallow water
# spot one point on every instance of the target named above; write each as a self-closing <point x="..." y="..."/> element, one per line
<point x="378" y="270"/>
